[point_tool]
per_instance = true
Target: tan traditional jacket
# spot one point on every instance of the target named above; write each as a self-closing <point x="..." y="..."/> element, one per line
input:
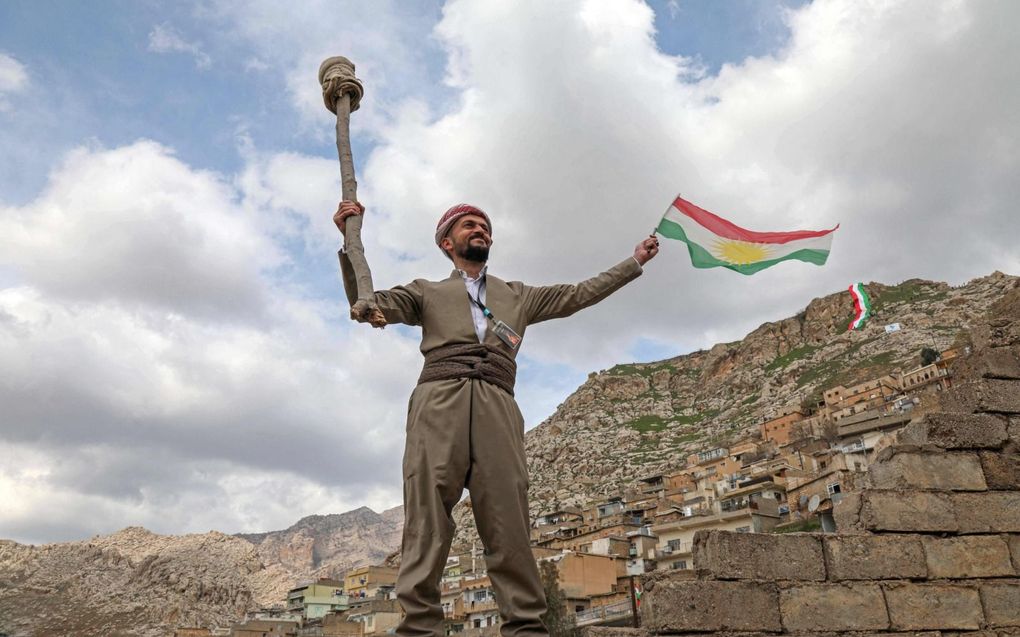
<point x="443" y="309"/>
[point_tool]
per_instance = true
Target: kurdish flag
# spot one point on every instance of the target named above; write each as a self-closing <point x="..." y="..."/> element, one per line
<point x="862" y="307"/>
<point x="714" y="242"/>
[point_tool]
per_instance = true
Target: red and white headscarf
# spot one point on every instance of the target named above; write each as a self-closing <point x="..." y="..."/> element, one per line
<point x="450" y="217"/>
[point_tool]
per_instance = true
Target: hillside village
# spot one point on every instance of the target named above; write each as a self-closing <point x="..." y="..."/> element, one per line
<point x="785" y="476"/>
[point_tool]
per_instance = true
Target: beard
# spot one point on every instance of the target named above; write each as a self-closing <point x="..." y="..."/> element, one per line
<point x="473" y="253"/>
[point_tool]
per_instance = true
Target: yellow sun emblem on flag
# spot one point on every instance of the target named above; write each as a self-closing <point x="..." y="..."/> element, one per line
<point x="740" y="252"/>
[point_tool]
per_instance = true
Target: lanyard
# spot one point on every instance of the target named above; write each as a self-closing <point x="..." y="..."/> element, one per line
<point x="481" y="306"/>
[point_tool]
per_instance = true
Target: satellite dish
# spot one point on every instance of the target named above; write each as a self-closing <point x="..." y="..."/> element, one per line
<point x="813" y="503"/>
<point x="803" y="501"/>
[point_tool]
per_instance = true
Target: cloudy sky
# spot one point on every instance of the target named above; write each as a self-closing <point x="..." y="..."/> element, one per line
<point x="174" y="347"/>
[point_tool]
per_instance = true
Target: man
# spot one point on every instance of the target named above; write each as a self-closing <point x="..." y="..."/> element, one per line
<point x="463" y="426"/>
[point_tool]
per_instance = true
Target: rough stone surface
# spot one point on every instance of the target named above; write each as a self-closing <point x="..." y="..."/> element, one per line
<point x="989" y="512"/>
<point x="1014" y="548"/>
<point x="818" y="607"/>
<point x="967" y="556"/>
<point x="729" y="555"/>
<point x="933" y="606"/>
<point x="1002" y="603"/>
<point x="1000" y="363"/>
<point x="847" y="514"/>
<point x="984" y="396"/>
<point x="872" y="557"/>
<point x="612" y="631"/>
<point x="956" y="431"/>
<point x="913" y="511"/>
<point x="910" y="468"/>
<point x="691" y="606"/>
<point x="1002" y="469"/>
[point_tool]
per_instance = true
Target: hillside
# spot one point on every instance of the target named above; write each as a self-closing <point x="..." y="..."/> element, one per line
<point x="139" y="584"/>
<point x="635" y="420"/>
<point x="328" y="545"/>
<point x="620" y="425"/>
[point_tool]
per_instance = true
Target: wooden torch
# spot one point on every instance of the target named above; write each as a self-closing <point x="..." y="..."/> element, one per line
<point x="342" y="92"/>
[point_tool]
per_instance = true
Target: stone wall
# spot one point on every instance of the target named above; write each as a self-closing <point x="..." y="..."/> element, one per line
<point x="931" y="545"/>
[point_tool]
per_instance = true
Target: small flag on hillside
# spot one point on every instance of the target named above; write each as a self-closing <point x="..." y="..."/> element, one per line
<point x="862" y="306"/>
<point x="715" y="242"/>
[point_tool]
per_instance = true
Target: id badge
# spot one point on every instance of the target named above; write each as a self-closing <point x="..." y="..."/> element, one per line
<point x="507" y="334"/>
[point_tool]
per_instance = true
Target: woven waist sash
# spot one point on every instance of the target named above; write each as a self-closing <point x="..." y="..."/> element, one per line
<point x="481" y="361"/>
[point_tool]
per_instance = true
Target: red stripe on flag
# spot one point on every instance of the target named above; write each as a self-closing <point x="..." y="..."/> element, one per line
<point x="718" y="225"/>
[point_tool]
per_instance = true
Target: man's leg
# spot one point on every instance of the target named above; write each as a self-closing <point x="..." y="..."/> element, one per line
<point x="436" y="460"/>
<point x="498" y="482"/>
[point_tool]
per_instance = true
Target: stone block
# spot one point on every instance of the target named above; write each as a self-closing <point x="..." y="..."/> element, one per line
<point x="847" y="514"/>
<point x="1014" y="549"/>
<point x="843" y="607"/>
<point x="956" y="431"/>
<point x="984" y="396"/>
<point x="872" y="557"/>
<point x="1002" y="468"/>
<point x="989" y="512"/>
<point x="729" y="555"/>
<point x="908" y="467"/>
<point x="671" y="605"/>
<point x="917" y="511"/>
<point x="1002" y="603"/>
<point x="933" y="607"/>
<point x="967" y="556"/>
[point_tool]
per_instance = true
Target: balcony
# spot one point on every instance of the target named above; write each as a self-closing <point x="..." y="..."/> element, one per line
<point x="480" y="607"/>
<point x="673" y="550"/>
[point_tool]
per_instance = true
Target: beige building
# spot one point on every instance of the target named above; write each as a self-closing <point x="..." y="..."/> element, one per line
<point x="779" y="429"/>
<point x="316" y="600"/>
<point x="367" y="580"/>
<point x="675" y="545"/>
<point x="584" y="576"/>
<point x="377" y="616"/>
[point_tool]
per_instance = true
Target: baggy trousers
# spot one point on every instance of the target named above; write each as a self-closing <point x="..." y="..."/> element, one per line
<point x="466" y="433"/>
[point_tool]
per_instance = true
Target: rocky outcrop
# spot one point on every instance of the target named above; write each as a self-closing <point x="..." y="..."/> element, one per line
<point x="328" y="545"/>
<point x="138" y="583"/>
<point x="132" y="583"/>
<point x="640" y="419"/>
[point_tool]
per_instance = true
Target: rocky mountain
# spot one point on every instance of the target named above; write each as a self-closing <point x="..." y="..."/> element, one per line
<point x="140" y="584"/>
<point x="636" y="420"/>
<point x="132" y="583"/>
<point x="328" y="545"/>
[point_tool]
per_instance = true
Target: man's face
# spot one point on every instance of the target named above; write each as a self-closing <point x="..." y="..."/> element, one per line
<point x="469" y="239"/>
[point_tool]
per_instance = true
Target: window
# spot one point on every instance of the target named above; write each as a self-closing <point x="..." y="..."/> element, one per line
<point x="743" y="529"/>
<point x="833" y="488"/>
<point x="679" y="564"/>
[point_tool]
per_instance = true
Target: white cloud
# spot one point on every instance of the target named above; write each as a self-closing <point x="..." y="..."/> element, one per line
<point x="165" y="39"/>
<point x="150" y="309"/>
<point x="152" y="362"/>
<point x="574" y="131"/>
<point x="13" y="79"/>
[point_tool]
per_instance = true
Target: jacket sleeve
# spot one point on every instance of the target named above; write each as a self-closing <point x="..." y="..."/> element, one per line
<point x="401" y="304"/>
<point x="557" y="301"/>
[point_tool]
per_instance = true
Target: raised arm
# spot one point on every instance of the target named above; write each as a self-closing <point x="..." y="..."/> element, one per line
<point x="557" y="301"/>
<point x="401" y="304"/>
